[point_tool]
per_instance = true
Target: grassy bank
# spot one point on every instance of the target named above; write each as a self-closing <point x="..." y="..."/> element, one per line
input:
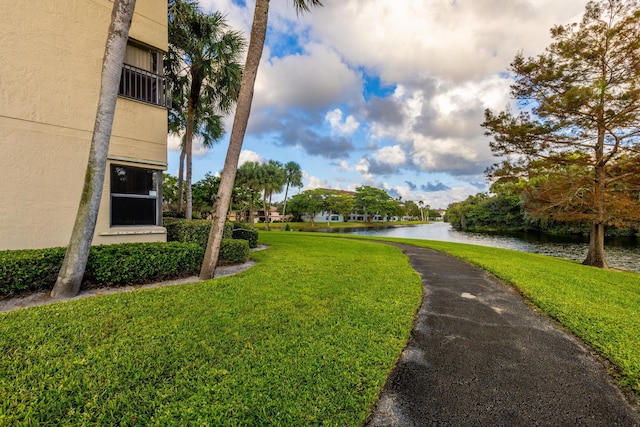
<point x="306" y="337"/>
<point x="601" y="307"/>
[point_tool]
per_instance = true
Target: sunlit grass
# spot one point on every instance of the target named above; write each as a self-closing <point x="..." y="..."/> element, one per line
<point x="306" y="337"/>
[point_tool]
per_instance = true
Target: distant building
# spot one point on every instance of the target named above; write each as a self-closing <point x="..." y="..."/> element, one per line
<point x="51" y="64"/>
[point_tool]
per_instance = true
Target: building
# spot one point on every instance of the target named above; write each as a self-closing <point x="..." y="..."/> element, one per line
<point x="52" y="55"/>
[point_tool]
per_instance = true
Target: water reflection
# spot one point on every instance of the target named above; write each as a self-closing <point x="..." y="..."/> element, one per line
<point x="621" y="253"/>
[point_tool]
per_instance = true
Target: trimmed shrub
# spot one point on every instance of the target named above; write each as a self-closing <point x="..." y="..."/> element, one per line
<point x="243" y="231"/>
<point x="173" y="214"/>
<point x="29" y="269"/>
<point x="192" y="231"/>
<point x="142" y="262"/>
<point x="233" y="251"/>
<point x="37" y="269"/>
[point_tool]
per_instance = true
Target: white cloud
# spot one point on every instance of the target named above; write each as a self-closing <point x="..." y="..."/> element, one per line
<point x="173" y="142"/>
<point x="454" y="40"/>
<point x="198" y="150"/>
<point x="362" y="166"/>
<point x="313" y="182"/>
<point x="343" y="166"/>
<point x="250" y="156"/>
<point x="348" y="126"/>
<point x="315" y="80"/>
<point x="392" y="155"/>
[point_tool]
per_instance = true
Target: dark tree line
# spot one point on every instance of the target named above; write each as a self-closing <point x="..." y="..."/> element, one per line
<point x="507" y="211"/>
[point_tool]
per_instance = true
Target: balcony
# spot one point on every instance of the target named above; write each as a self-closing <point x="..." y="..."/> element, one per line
<point x="143" y="85"/>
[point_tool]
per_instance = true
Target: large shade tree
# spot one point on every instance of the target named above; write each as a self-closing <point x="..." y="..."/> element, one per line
<point x="309" y="203"/>
<point x="576" y="138"/>
<point x="337" y="202"/>
<point x="240" y="121"/>
<point x="374" y="201"/>
<point x="75" y="260"/>
<point x="203" y="65"/>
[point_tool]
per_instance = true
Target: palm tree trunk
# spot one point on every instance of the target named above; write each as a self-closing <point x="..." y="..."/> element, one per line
<point x="188" y="154"/>
<point x="264" y="210"/>
<point x="269" y="211"/>
<point x="240" y="121"/>
<point x="284" y="207"/>
<point x="75" y="260"/>
<point x="251" y="221"/>
<point x="181" y="179"/>
<point x="194" y="95"/>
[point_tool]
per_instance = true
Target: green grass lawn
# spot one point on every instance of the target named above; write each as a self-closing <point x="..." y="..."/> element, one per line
<point x="601" y="307"/>
<point x="306" y="337"/>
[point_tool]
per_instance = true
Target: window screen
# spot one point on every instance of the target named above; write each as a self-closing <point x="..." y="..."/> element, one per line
<point x="134" y="196"/>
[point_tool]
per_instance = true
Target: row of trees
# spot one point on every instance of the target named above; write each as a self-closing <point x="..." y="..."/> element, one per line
<point x="255" y="183"/>
<point x="366" y="201"/>
<point x="507" y="211"/>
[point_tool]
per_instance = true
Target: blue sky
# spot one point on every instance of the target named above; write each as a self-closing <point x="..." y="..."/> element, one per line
<point x="388" y="93"/>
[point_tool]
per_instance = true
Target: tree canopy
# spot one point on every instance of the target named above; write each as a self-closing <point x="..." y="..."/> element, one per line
<point x="576" y="138"/>
<point x="374" y="201"/>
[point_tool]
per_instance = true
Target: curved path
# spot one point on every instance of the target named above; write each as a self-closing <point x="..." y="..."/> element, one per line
<point x="479" y="356"/>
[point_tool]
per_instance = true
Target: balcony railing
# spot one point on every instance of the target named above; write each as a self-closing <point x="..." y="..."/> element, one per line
<point x="143" y="85"/>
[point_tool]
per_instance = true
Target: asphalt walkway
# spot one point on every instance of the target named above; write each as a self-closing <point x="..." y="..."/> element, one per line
<point x="479" y="356"/>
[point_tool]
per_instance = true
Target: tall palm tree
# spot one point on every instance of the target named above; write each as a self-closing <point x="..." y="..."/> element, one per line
<point x="203" y="66"/>
<point x="240" y="121"/>
<point x="293" y="177"/>
<point x="75" y="260"/>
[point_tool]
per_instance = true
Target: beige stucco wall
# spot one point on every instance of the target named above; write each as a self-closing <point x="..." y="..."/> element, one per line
<point x="50" y="77"/>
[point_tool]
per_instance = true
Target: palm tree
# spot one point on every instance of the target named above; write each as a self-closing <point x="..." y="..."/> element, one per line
<point x="75" y="260"/>
<point x="293" y="177"/>
<point x="240" y="121"/>
<point x="273" y="179"/>
<point x="203" y="66"/>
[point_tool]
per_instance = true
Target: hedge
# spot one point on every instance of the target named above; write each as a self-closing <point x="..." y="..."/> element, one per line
<point x="118" y="264"/>
<point x="240" y="230"/>
<point x="125" y="263"/>
<point x="233" y="251"/>
<point x="197" y="231"/>
<point x="191" y="230"/>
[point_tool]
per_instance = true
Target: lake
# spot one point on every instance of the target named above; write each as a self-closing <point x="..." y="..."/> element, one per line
<point x="622" y="253"/>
